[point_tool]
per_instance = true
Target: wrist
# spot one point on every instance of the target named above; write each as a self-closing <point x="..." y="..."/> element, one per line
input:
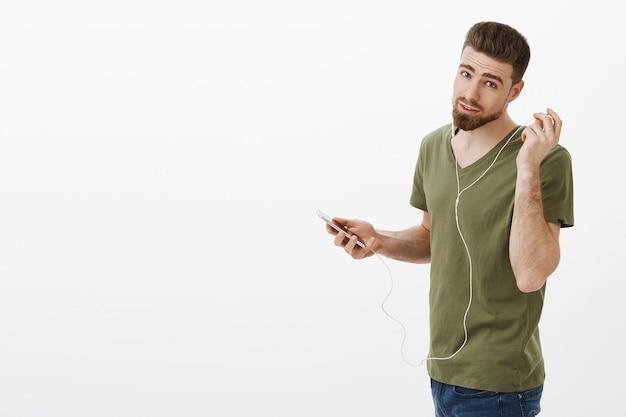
<point x="527" y="173"/>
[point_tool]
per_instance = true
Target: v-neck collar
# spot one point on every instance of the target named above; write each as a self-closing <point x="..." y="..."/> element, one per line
<point x="487" y="157"/>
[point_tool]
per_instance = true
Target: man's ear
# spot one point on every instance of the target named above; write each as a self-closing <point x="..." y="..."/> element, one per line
<point x="516" y="90"/>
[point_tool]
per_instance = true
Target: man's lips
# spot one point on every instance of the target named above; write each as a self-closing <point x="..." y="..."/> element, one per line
<point x="468" y="109"/>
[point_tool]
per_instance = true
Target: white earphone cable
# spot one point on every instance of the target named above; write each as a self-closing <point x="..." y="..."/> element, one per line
<point x="467" y="251"/>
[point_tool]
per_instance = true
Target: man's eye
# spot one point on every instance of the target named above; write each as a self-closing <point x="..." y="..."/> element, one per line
<point x="465" y="74"/>
<point x="491" y="84"/>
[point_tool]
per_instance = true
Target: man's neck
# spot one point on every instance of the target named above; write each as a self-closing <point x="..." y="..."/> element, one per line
<point x="469" y="146"/>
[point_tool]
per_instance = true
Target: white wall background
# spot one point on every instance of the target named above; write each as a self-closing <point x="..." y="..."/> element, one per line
<point x="160" y="167"/>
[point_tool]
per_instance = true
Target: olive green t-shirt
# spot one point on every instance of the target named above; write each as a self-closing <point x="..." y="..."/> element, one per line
<point x="503" y="349"/>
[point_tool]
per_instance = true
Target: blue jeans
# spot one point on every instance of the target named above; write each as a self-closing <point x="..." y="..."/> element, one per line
<point x="451" y="401"/>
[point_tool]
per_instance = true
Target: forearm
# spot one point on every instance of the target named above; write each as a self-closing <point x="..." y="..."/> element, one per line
<point x="534" y="246"/>
<point x="410" y="245"/>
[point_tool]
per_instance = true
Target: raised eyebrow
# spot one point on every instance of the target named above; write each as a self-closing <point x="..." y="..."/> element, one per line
<point x="486" y="74"/>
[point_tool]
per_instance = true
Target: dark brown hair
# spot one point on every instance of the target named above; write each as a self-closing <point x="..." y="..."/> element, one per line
<point x="502" y="43"/>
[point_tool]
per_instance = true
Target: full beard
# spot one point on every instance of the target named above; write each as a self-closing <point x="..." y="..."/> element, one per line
<point x="468" y="122"/>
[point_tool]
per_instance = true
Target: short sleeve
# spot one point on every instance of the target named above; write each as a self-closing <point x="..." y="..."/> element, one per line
<point x="418" y="196"/>
<point x="557" y="187"/>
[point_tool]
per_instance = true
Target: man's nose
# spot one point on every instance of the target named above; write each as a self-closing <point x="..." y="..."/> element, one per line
<point x="472" y="92"/>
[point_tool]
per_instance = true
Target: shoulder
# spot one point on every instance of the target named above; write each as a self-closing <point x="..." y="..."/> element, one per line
<point x="442" y="132"/>
<point x="439" y="136"/>
<point x="559" y="156"/>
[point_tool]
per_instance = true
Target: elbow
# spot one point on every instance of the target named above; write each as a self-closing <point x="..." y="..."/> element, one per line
<point x="531" y="273"/>
<point x="533" y="280"/>
<point x="530" y="285"/>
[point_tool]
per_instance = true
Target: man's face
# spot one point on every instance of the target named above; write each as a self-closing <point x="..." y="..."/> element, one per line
<point x="482" y="90"/>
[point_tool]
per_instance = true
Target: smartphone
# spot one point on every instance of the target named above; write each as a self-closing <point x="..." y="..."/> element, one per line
<point x="338" y="227"/>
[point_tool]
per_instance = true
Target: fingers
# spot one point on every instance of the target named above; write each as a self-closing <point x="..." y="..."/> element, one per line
<point x="557" y="122"/>
<point x="547" y="127"/>
<point x="351" y="245"/>
<point x="340" y="237"/>
<point x="346" y="236"/>
<point x="539" y="138"/>
<point x="548" y="121"/>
